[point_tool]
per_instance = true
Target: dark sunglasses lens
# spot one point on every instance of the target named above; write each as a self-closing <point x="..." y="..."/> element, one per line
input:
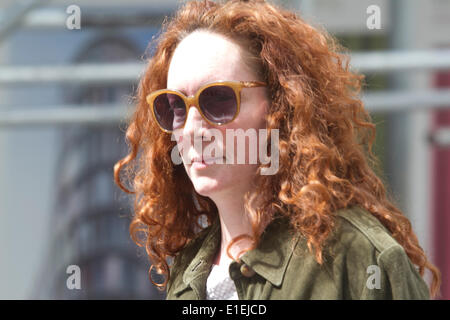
<point x="218" y="103"/>
<point x="170" y="111"/>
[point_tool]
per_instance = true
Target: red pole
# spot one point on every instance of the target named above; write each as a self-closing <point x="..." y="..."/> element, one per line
<point x="441" y="193"/>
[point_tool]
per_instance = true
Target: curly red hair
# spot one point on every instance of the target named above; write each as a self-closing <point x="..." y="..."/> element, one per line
<point x="325" y="138"/>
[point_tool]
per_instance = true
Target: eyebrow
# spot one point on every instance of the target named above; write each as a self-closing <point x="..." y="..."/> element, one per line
<point x="181" y="90"/>
<point x="202" y="83"/>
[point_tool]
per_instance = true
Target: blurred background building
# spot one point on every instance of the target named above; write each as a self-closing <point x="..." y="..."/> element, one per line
<point x="65" y="95"/>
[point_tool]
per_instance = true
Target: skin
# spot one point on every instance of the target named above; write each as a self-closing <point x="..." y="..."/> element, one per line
<point x="202" y="57"/>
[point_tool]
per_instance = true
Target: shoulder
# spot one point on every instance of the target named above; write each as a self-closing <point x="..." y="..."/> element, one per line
<point x="368" y="263"/>
<point x="358" y="229"/>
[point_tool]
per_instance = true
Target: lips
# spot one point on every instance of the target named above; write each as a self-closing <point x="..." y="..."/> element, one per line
<point x="206" y="160"/>
<point x="212" y="160"/>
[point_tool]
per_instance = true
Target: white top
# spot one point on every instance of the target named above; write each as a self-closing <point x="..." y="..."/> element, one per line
<point x="219" y="285"/>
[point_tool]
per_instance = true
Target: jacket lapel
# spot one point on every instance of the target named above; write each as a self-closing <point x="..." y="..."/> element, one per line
<point x="270" y="259"/>
<point x="196" y="274"/>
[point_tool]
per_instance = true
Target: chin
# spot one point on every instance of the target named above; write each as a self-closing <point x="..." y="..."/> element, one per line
<point x="207" y="186"/>
<point x="205" y="191"/>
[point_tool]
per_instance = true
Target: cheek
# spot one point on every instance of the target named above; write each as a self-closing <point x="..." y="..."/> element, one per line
<point x="253" y="116"/>
<point x="181" y="153"/>
<point x="250" y="116"/>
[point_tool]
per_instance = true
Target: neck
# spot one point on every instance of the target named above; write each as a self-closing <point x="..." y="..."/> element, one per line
<point x="234" y="222"/>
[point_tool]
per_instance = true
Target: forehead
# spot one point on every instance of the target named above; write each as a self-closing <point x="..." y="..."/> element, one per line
<point x="203" y="57"/>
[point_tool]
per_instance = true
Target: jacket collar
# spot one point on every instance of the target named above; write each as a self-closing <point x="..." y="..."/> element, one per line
<point x="202" y="261"/>
<point x="269" y="259"/>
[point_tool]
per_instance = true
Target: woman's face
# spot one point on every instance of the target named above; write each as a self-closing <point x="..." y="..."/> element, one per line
<point x="200" y="58"/>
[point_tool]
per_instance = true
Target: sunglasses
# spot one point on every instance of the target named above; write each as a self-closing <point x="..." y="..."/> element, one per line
<point x="218" y="103"/>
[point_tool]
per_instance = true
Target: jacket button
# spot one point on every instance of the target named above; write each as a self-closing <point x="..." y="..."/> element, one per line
<point x="247" y="271"/>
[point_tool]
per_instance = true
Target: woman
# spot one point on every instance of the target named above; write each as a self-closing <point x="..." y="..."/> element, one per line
<point x="319" y="226"/>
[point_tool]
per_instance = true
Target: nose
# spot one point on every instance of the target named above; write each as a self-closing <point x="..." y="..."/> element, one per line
<point x="195" y="124"/>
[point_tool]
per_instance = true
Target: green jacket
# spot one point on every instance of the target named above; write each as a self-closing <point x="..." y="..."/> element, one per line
<point x="362" y="261"/>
